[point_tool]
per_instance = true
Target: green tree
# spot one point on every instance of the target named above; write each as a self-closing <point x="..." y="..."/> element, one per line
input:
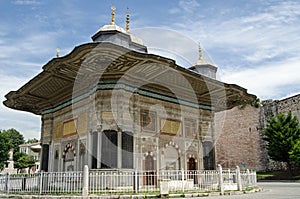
<point x="9" y="139"/>
<point x="295" y="153"/>
<point x="281" y="134"/>
<point x="33" y="140"/>
<point x="22" y="161"/>
<point x="16" y="138"/>
<point x="5" y="146"/>
<point x="17" y="155"/>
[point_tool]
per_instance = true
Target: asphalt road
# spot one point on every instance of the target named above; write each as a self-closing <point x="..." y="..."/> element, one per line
<point x="271" y="190"/>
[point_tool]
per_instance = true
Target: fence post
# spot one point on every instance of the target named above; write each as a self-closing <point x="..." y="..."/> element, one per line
<point x="248" y="178"/>
<point x="85" y="178"/>
<point x="135" y="181"/>
<point x="255" y="178"/>
<point x="23" y="180"/>
<point x="182" y="179"/>
<point x="221" y="179"/>
<point x="239" y="179"/>
<point x="7" y="183"/>
<point x="41" y="182"/>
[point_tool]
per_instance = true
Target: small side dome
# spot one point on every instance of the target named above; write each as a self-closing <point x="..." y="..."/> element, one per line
<point x="109" y="27"/>
<point x="117" y="35"/>
<point x="204" y="67"/>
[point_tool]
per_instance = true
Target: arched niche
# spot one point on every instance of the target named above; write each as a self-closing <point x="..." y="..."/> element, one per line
<point x="171" y="156"/>
<point x="69" y="155"/>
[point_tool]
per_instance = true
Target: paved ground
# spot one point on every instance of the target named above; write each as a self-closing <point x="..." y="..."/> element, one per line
<point x="273" y="190"/>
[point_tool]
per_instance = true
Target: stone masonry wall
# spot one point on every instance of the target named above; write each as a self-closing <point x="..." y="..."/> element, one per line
<point x="238" y="133"/>
<point x="238" y="138"/>
<point x="270" y="108"/>
<point x="290" y="104"/>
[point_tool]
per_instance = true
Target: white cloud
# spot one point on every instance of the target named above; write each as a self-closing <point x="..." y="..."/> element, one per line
<point x="267" y="33"/>
<point x="174" y="10"/>
<point x="26" y="2"/>
<point x="267" y="81"/>
<point x="264" y="52"/>
<point x="22" y="58"/>
<point x="181" y="46"/>
<point x="267" y="41"/>
<point x="33" y="43"/>
<point x="25" y="49"/>
<point x="26" y="123"/>
<point x="189" y="5"/>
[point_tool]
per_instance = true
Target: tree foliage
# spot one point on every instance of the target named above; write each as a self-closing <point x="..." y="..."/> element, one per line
<point x="33" y="140"/>
<point x="23" y="160"/>
<point x="5" y="146"/>
<point x="16" y="138"/>
<point x="295" y="153"/>
<point x="282" y="133"/>
<point x="9" y="139"/>
<point x="17" y="155"/>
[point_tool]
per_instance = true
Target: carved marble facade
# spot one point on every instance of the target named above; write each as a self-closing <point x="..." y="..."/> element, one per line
<point x="90" y="133"/>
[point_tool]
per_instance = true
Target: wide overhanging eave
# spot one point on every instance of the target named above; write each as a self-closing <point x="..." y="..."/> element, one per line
<point x="36" y="95"/>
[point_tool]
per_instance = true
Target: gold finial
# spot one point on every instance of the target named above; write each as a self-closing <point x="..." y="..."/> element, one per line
<point x="127" y="19"/>
<point x="200" y="53"/>
<point x="113" y="8"/>
<point x="57" y="52"/>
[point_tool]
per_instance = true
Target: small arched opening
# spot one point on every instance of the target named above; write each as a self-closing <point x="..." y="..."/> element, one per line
<point x="192" y="168"/>
<point x="69" y="155"/>
<point x="150" y="169"/>
<point x="171" y="157"/>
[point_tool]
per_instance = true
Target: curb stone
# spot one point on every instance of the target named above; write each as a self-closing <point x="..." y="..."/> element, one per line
<point x="190" y="195"/>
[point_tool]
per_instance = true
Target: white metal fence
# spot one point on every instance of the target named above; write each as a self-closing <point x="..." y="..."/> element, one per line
<point x="42" y="183"/>
<point x="127" y="181"/>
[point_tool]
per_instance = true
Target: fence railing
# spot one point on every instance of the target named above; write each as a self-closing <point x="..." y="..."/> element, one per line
<point x="127" y="181"/>
<point x="42" y="183"/>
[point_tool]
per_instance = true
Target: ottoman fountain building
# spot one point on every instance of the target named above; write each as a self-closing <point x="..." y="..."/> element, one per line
<point x="111" y="105"/>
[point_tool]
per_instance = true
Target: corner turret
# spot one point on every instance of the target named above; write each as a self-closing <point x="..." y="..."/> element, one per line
<point x="204" y="67"/>
<point x="117" y="35"/>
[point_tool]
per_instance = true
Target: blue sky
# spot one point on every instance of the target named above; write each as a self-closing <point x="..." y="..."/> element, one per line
<point x="255" y="44"/>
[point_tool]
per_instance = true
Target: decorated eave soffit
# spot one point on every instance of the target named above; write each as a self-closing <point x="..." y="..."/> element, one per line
<point x="104" y="62"/>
